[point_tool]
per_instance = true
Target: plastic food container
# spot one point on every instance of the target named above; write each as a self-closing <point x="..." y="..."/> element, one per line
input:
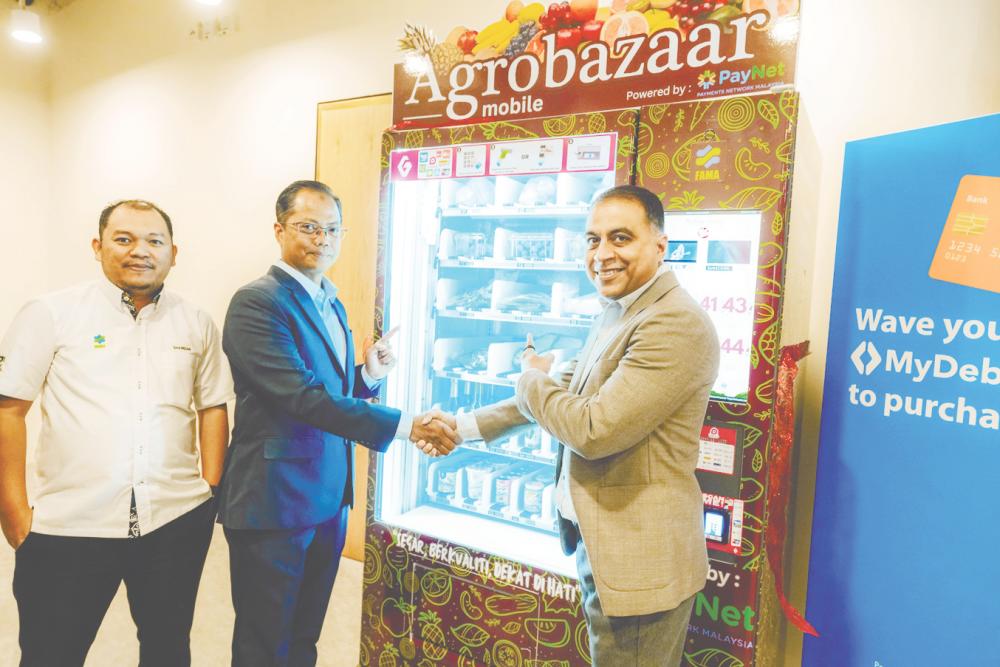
<point x="538" y="190"/>
<point x="505" y="483"/>
<point x="533" y="490"/>
<point x="470" y="245"/>
<point x="535" y="247"/>
<point x="569" y="246"/>
<point x="500" y="357"/>
<point x="476" y="474"/>
<point x="446" y="478"/>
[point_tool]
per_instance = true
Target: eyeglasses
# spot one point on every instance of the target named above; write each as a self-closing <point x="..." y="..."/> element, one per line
<point x="312" y="229"/>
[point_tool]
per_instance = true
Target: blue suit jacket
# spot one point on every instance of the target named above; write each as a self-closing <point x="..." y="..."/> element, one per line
<point x="298" y="410"/>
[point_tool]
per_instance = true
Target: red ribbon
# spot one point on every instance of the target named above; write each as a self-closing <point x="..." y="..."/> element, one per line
<point x="779" y="477"/>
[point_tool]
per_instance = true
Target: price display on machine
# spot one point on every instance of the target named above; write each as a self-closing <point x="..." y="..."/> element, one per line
<point x="717" y="449"/>
<point x="714" y="255"/>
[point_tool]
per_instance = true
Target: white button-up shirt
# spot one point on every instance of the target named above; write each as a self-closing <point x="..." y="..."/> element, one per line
<point x="118" y="398"/>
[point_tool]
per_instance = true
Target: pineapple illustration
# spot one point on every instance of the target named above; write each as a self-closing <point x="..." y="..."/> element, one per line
<point x="388" y="656"/>
<point x="421" y="41"/>
<point x="432" y="635"/>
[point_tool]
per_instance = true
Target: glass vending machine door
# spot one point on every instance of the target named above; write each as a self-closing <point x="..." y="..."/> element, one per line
<point x="476" y="263"/>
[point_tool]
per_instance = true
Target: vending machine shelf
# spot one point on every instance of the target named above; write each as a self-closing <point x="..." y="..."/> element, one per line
<point x="480" y="378"/>
<point x="514" y="211"/>
<point x="509" y="264"/>
<point x="513" y="450"/>
<point x="524" y="521"/>
<point x="498" y="487"/>
<point x="517" y="316"/>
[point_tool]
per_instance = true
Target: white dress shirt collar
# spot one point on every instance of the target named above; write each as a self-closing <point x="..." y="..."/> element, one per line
<point x="627" y="300"/>
<point x="114" y="294"/>
<point x="316" y="291"/>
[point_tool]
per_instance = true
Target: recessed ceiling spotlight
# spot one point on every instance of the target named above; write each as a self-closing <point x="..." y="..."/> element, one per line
<point x="25" y="26"/>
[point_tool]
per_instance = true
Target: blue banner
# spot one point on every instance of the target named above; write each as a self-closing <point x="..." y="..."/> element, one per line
<point x="903" y="567"/>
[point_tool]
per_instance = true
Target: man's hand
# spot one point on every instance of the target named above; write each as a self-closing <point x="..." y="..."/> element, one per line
<point x="529" y="359"/>
<point x="434" y="433"/>
<point x="17" y="527"/>
<point x="15" y="513"/>
<point x="379" y="357"/>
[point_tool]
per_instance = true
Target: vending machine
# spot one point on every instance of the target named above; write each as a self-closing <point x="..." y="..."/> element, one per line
<point x="482" y="240"/>
<point x="481" y="243"/>
<point x="723" y="170"/>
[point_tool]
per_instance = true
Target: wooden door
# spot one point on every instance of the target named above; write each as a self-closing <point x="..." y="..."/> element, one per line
<point x="348" y="141"/>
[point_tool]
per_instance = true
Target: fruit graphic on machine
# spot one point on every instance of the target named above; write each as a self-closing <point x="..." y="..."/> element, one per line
<point x="573" y="24"/>
<point x="690" y="13"/>
<point x="434" y="646"/>
<point x="776" y="8"/>
<point x="467" y="41"/>
<point x="422" y="43"/>
<point x="623" y="24"/>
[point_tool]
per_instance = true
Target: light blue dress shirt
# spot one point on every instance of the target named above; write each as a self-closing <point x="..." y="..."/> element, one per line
<point x="323" y="295"/>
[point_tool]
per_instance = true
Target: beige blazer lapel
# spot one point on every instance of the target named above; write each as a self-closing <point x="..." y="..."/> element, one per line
<point x="660" y="287"/>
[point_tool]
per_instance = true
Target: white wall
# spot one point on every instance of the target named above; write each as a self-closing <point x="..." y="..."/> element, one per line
<point x="212" y="130"/>
<point x="26" y="236"/>
<point x="865" y="69"/>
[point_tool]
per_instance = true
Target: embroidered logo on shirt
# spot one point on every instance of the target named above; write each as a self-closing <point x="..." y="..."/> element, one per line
<point x="2" y="359"/>
<point x="182" y="348"/>
<point x="100" y="342"/>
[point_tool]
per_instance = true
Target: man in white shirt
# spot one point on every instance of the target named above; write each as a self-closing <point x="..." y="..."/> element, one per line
<point x="123" y="368"/>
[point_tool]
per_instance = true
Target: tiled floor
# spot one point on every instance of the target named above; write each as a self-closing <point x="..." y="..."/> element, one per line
<point x="116" y="645"/>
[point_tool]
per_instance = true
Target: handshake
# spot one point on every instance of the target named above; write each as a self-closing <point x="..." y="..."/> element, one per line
<point x="435" y="433"/>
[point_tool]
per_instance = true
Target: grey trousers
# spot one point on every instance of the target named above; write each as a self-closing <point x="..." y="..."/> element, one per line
<point x="631" y="641"/>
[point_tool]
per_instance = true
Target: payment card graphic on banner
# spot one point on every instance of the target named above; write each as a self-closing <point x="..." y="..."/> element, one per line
<point x="904" y="568"/>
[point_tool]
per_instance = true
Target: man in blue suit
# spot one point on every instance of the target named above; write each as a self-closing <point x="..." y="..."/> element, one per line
<point x="300" y="405"/>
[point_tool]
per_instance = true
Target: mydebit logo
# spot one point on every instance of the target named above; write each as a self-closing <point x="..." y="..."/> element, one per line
<point x="867" y="359"/>
<point x="874" y="358"/>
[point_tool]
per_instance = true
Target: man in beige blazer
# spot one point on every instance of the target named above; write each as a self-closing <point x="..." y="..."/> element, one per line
<point x="627" y="415"/>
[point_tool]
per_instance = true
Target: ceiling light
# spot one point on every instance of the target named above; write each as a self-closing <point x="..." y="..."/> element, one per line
<point x="415" y="64"/>
<point x="25" y="26"/>
<point x="210" y="3"/>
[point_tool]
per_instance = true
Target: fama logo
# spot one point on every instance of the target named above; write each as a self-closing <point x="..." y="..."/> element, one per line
<point x="707" y="157"/>
<point x="633" y="56"/>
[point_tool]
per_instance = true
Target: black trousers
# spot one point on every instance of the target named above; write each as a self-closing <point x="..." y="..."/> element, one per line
<point x="64" y="586"/>
<point x="281" y="585"/>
